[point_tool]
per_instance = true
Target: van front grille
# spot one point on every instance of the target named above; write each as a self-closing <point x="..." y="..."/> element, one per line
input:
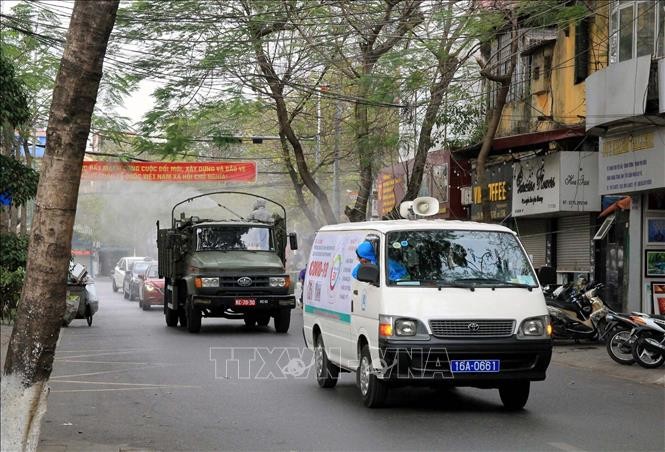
<point x="472" y="328"/>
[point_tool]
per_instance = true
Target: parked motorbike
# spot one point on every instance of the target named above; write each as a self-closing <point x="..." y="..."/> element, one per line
<point x="577" y="313"/>
<point x="648" y="348"/>
<point x="82" y="301"/>
<point x="620" y="337"/>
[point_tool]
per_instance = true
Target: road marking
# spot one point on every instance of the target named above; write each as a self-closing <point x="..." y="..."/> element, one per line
<point x="566" y="447"/>
<point x="88" y="374"/>
<point x="101" y="390"/>
<point x="112" y="383"/>
<point x="101" y="350"/>
<point x="102" y="354"/>
<point x="112" y="362"/>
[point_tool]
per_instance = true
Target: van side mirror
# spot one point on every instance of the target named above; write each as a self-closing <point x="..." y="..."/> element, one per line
<point x="293" y="241"/>
<point x="369" y="273"/>
<point x="546" y="276"/>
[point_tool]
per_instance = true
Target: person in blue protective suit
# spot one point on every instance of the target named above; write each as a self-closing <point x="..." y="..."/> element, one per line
<point x="366" y="255"/>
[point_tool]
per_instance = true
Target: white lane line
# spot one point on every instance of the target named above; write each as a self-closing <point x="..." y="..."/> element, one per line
<point x="101" y="350"/>
<point x="566" y="447"/>
<point x="111" y="362"/>
<point x="101" y="390"/>
<point x="88" y="374"/>
<point x="93" y="355"/>
<point x="112" y="383"/>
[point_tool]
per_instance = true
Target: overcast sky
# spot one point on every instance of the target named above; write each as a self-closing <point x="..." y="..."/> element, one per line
<point x="134" y="106"/>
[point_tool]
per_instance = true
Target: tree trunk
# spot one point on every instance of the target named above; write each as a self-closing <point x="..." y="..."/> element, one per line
<point x="24" y="207"/>
<point x="297" y="185"/>
<point x="437" y="92"/>
<point x="365" y="159"/>
<point x="32" y="345"/>
<point x="505" y="81"/>
<point x="276" y="86"/>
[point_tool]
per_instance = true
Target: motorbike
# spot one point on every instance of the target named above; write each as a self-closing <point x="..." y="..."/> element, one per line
<point x="620" y="335"/>
<point x="648" y="347"/>
<point x="82" y="301"/>
<point x="577" y="312"/>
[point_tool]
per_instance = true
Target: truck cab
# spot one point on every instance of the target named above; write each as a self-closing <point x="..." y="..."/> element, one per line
<point x="231" y="268"/>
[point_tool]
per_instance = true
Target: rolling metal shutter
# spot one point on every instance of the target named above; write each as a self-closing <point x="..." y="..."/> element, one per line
<point x="573" y="244"/>
<point x="533" y="235"/>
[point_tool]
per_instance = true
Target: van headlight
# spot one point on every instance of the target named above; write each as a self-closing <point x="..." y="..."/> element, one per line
<point x="534" y="328"/>
<point x="279" y="281"/>
<point x="405" y="327"/>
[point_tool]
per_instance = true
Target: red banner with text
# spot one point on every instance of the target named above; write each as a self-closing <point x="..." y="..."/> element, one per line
<point x="171" y="171"/>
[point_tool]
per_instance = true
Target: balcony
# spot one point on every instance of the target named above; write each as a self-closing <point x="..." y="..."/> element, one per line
<point x="625" y="96"/>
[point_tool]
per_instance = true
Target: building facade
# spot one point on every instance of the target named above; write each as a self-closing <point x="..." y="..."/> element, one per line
<point x="626" y="112"/>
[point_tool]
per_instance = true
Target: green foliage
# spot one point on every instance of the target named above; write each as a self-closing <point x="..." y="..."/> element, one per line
<point x="13" y="254"/>
<point x="17" y="179"/>
<point x="13" y="251"/>
<point x="13" y="98"/>
<point x="11" y="283"/>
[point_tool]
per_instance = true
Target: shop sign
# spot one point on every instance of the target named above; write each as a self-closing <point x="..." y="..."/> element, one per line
<point x="559" y="182"/>
<point x="386" y="192"/>
<point x="632" y="163"/>
<point x="497" y="191"/>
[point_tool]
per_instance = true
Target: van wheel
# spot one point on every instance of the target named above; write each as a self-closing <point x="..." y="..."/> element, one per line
<point x="282" y="320"/>
<point x="515" y="395"/>
<point x="372" y="390"/>
<point x="171" y="317"/>
<point x="326" y="372"/>
<point x="193" y="318"/>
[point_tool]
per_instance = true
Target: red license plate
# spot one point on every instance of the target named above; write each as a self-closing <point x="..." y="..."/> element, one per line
<point x="245" y="302"/>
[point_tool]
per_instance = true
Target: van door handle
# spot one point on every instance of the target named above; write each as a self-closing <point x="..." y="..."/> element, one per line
<point x="355" y="292"/>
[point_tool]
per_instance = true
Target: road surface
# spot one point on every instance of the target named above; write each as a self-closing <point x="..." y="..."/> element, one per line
<point x="131" y="382"/>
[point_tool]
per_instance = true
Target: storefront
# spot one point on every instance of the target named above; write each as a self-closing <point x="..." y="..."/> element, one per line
<point x="634" y="164"/>
<point x="555" y="198"/>
<point x="443" y="176"/>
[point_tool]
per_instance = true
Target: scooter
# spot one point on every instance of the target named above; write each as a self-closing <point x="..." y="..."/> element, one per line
<point x="82" y="301"/>
<point x="577" y="314"/>
<point x="649" y="344"/>
<point x="620" y="335"/>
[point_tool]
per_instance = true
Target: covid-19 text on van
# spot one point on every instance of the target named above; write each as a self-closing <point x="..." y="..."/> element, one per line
<point x="426" y="302"/>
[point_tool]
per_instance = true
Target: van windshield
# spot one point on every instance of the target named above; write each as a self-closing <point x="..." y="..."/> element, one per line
<point x="457" y="258"/>
<point x="234" y="238"/>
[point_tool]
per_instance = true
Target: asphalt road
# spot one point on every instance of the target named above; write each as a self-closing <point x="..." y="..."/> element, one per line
<point x="131" y="382"/>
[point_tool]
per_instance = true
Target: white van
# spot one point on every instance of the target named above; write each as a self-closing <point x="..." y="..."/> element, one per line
<point x="442" y="303"/>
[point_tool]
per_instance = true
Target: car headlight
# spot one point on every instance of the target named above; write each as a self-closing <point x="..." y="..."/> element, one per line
<point x="405" y="327"/>
<point x="535" y="327"/>
<point x="280" y="281"/>
<point x="206" y="282"/>
<point x="149" y="287"/>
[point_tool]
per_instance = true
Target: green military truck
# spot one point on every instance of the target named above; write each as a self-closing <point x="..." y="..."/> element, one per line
<point x="227" y="267"/>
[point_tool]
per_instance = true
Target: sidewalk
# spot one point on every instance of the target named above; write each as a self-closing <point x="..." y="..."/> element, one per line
<point x="593" y="356"/>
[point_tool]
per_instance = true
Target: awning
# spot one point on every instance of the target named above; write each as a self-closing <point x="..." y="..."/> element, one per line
<point x="523" y="142"/>
<point x="622" y="204"/>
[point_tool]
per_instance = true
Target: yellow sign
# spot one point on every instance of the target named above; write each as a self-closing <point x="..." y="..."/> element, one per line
<point x="627" y="143"/>
<point x="497" y="192"/>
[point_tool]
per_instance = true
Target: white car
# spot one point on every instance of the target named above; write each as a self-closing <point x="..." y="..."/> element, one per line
<point x="425" y="302"/>
<point x="122" y="267"/>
